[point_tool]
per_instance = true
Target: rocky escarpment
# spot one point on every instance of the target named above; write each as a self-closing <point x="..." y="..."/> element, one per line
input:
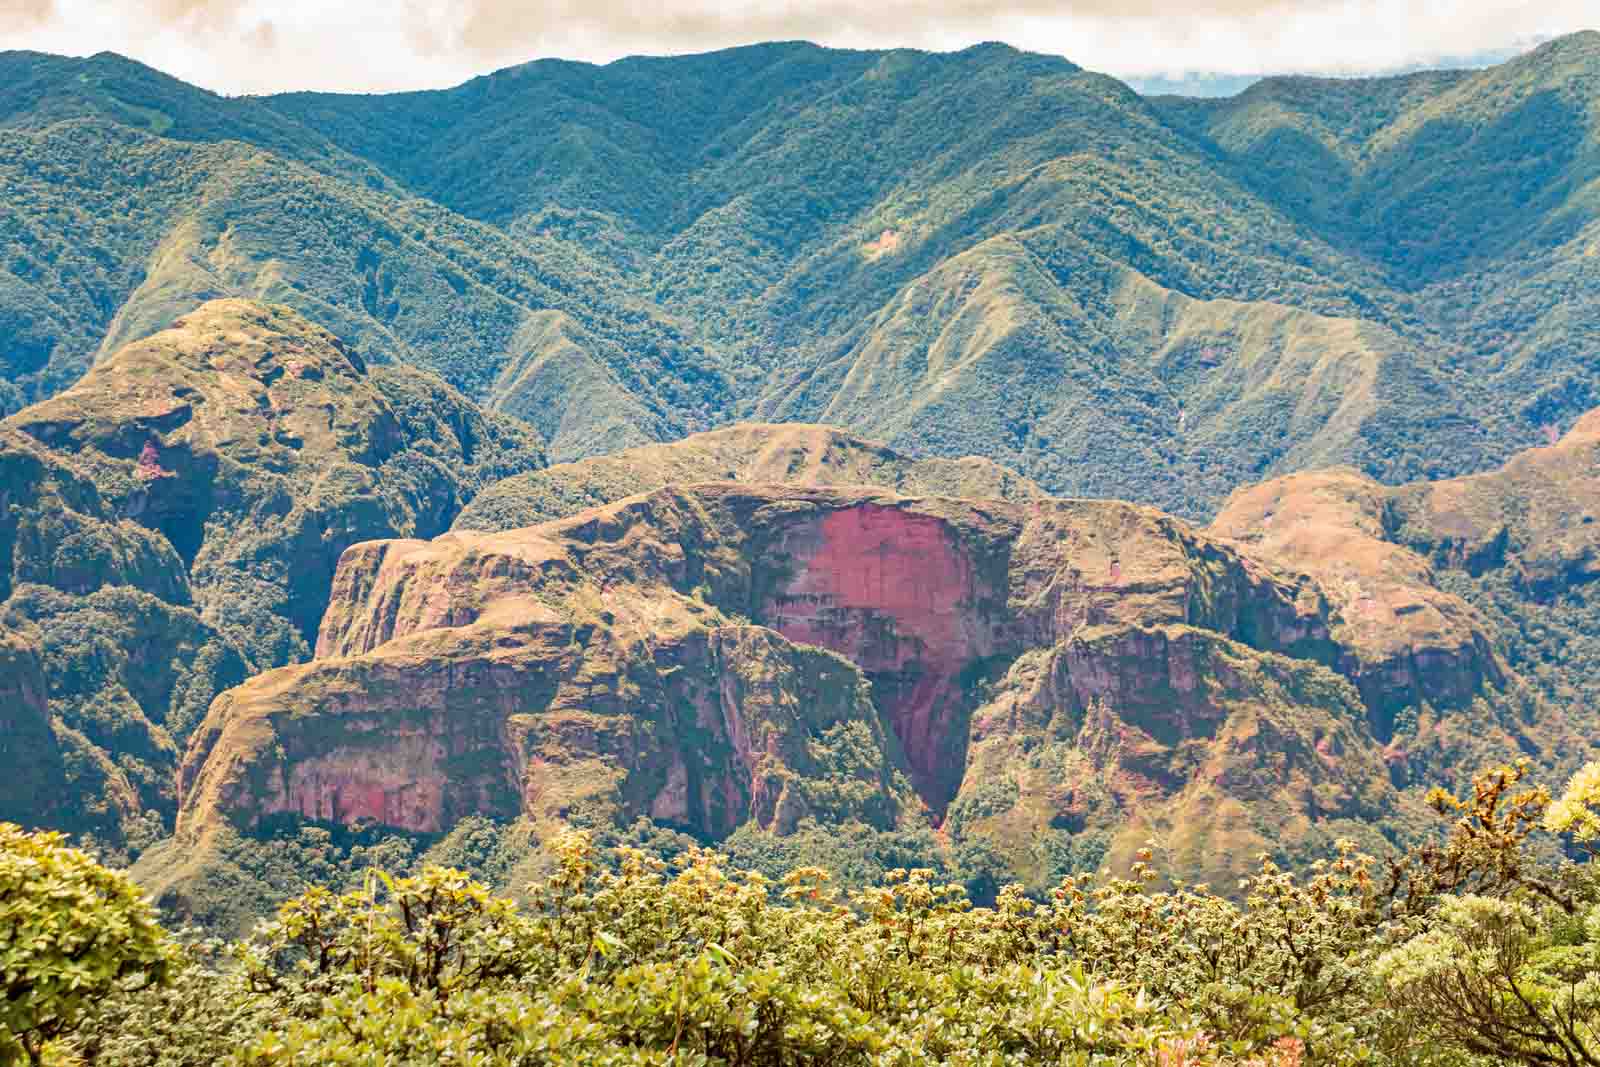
<point x="1088" y="751"/>
<point x="1405" y="641"/>
<point x="1517" y="550"/>
<point x="922" y="595"/>
<point x="170" y="525"/>
<point x="260" y="447"/>
<point x="1053" y="674"/>
<point x="927" y="602"/>
<point x="705" y="729"/>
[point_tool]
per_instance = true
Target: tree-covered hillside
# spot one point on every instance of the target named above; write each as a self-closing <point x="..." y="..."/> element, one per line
<point x="986" y="252"/>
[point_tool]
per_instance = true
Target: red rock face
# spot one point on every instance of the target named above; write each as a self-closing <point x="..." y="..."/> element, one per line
<point x="602" y="664"/>
<point x="894" y="592"/>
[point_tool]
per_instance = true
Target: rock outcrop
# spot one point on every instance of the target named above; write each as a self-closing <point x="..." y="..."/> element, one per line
<point x="1405" y="640"/>
<point x="261" y="447"/>
<point x="1038" y="671"/>
<point x="1517" y="548"/>
<point x="1212" y="749"/>
<point x="705" y="728"/>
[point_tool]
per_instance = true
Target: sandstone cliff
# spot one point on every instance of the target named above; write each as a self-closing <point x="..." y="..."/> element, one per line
<point x="1409" y="642"/>
<point x="1037" y="672"/>
<point x="1455" y="591"/>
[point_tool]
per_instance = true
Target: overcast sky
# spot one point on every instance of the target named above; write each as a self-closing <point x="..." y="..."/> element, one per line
<point x="239" y="46"/>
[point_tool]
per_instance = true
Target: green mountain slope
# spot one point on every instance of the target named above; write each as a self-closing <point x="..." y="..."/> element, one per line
<point x="1475" y="193"/>
<point x="959" y="254"/>
<point x="228" y="199"/>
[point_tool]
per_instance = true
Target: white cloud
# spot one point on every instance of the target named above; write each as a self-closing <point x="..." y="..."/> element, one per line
<point x="377" y="45"/>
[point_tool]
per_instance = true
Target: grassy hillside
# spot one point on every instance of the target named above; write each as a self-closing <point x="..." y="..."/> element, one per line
<point x="789" y="454"/>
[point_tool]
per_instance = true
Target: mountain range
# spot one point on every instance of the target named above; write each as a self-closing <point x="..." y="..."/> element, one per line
<point x="987" y="252"/>
<point x="873" y="454"/>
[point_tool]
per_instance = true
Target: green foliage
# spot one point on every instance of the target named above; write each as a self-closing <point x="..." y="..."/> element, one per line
<point x="71" y="933"/>
<point x="130" y="673"/>
<point x="1508" y="966"/>
<point x="193" y="1019"/>
<point x="1577" y="811"/>
<point x="1552" y="641"/>
<point x="857" y="856"/>
<point x="1466" y="947"/>
<point x="240" y="879"/>
<point x="638" y="966"/>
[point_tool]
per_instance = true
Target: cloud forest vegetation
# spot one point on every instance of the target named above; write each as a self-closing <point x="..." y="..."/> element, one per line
<point x="1483" y="947"/>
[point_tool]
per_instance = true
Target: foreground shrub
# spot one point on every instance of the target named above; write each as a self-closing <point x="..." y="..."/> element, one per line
<point x="72" y="933"/>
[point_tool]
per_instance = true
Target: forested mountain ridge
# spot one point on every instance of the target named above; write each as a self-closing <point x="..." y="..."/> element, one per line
<point x="985" y="252"/>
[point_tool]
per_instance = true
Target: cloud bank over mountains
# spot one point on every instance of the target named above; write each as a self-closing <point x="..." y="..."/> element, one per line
<point x="245" y="46"/>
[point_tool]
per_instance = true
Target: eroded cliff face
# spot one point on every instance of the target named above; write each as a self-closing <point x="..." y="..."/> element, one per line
<point x="699" y="725"/>
<point x="171" y="523"/>
<point x="897" y="594"/>
<point x="927" y="597"/>
<point x="929" y="603"/>
<point x="1403" y="640"/>
<point x="1212" y="749"/>
<point x="1518" y="548"/>
<point x="1042" y="672"/>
